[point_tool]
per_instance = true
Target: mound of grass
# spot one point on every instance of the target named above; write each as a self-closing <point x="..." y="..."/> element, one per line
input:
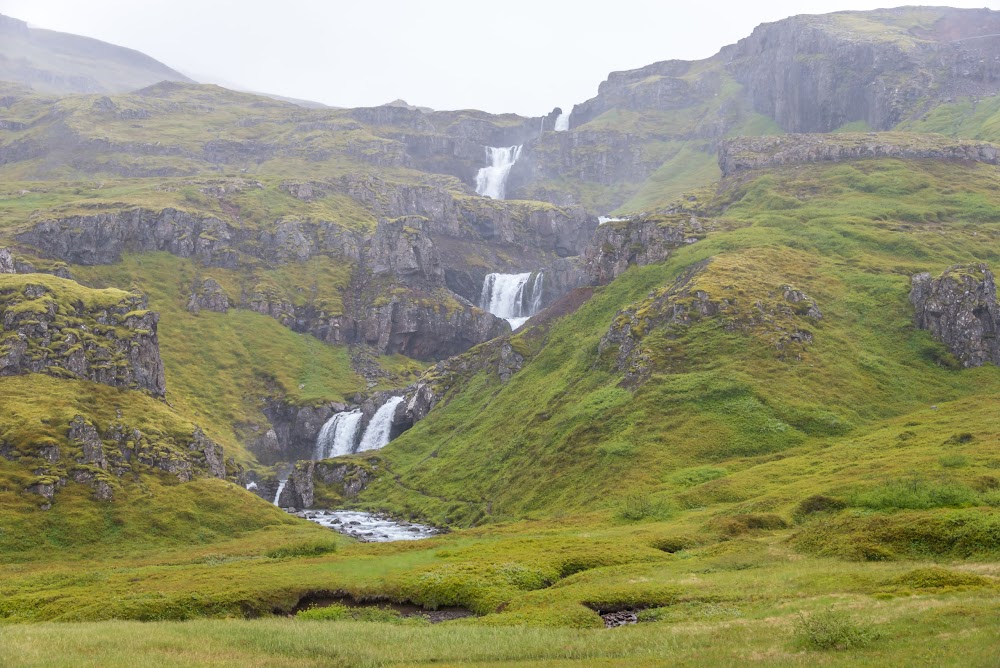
<point x="832" y="629"/>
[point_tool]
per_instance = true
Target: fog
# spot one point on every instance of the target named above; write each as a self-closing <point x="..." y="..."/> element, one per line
<point x="516" y="56"/>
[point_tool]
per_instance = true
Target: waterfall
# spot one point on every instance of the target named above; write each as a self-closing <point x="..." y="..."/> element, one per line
<point x="562" y="121"/>
<point x="338" y="436"/>
<point x="536" y="294"/>
<point x="377" y="434"/>
<point x="281" y="488"/>
<point x="504" y="296"/>
<point x="492" y="181"/>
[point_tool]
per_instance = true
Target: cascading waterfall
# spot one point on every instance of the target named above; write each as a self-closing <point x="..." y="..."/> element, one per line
<point x="536" y="294"/>
<point x="338" y="436"/>
<point x="562" y="121"/>
<point x="281" y="488"/>
<point x="492" y="181"/>
<point x="504" y="296"/>
<point x="378" y="432"/>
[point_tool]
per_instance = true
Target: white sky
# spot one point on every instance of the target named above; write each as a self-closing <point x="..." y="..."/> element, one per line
<point x="525" y="56"/>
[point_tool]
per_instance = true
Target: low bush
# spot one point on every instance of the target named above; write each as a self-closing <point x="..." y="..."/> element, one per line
<point x="833" y="630"/>
<point x="312" y="549"/>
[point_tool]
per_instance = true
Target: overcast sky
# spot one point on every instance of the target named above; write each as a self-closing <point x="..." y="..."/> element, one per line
<point x="524" y="56"/>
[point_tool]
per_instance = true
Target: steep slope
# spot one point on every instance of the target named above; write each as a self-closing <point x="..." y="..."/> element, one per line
<point x="55" y="62"/>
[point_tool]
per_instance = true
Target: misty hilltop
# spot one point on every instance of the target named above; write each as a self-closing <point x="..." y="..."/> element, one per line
<point x="55" y="62"/>
<point x="711" y="356"/>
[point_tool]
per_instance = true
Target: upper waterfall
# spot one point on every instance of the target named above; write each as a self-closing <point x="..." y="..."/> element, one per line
<point x="338" y="436"/>
<point x="492" y="181"/>
<point x="513" y="297"/>
<point x="377" y="434"/>
<point x="562" y="121"/>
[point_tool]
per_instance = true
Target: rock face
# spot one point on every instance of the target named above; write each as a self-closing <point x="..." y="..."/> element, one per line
<point x="291" y="432"/>
<point x="6" y="262"/>
<point x="209" y="297"/>
<point x="400" y="297"/>
<point x="309" y="481"/>
<point x="57" y="327"/>
<point x="960" y="309"/>
<point x="616" y="246"/>
<point x="817" y="73"/>
<point x="748" y="153"/>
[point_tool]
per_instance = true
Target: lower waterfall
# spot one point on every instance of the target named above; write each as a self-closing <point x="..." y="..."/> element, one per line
<point x="377" y="434"/>
<point x="338" y="436"/>
<point x="281" y="488"/>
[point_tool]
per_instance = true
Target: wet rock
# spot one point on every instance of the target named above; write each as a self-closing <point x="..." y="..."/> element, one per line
<point x="960" y="309"/>
<point x="620" y="618"/>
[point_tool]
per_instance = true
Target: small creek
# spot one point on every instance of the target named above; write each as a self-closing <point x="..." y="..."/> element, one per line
<point x="367" y="527"/>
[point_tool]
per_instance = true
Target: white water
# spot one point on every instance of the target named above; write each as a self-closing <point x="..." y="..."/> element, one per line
<point x="610" y="219"/>
<point x="338" y="436"/>
<point x="251" y="485"/>
<point x="562" y="121"/>
<point x="492" y="181"/>
<point x="366" y="526"/>
<point x="377" y="434"/>
<point x="281" y="488"/>
<point x="503" y="296"/>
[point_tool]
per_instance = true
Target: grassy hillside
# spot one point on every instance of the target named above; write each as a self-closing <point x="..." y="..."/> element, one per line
<point x="722" y="399"/>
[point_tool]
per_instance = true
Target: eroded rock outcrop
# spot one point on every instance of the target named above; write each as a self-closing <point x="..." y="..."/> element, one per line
<point x="778" y="315"/>
<point x="100" y="458"/>
<point x="58" y="327"/>
<point x="749" y="153"/>
<point x="960" y="309"/>
<point x="209" y="296"/>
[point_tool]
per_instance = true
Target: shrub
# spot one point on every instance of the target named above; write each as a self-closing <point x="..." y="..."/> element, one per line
<point x="637" y="507"/>
<point x="915" y="494"/>
<point x="340" y="613"/>
<point x="833" y="629"/>
<point x="938" y="578"/>
<point x="953" y="461"/>
<point x="696" y="476"/>
<point x="818" y="503"/>
<point x="313" y="549"/>
<point x="736" y="525"/>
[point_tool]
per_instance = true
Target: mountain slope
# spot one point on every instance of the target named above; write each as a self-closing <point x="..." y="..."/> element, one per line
<point x="55" y="62"/>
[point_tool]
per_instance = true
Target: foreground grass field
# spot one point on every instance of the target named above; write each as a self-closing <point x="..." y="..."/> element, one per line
<point x="956" y="629"/>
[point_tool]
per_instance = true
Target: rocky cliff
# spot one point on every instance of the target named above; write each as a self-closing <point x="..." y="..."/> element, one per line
<point x="818" y="73"/>
<point x="55" y="326"/>
<point x="748" y="153"/>
<point x="960" y="309"/>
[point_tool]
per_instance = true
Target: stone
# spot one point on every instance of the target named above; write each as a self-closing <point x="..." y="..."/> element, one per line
<point x="960" y="309"/>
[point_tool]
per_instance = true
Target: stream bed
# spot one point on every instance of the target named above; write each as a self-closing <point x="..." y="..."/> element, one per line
<point x="368" y="527"/>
